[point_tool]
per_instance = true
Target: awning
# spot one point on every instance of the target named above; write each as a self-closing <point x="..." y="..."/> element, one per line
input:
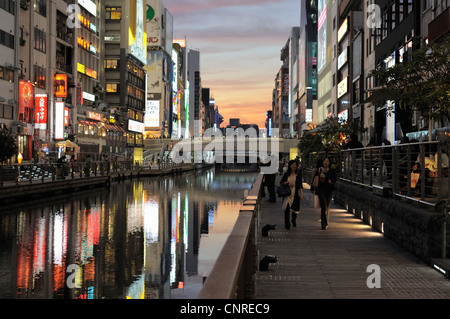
<point x="109" y="127"/>
<point x="88" y="123"/>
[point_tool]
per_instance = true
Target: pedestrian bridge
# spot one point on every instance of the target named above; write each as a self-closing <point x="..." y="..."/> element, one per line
<point x="221" y="149"/>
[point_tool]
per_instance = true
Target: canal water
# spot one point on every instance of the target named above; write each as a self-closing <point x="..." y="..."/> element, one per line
<point x="152" y="238"/>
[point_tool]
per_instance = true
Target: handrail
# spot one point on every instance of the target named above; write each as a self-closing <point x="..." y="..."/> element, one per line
<point x="389" y="167"/>
<point x="232" y="275"/>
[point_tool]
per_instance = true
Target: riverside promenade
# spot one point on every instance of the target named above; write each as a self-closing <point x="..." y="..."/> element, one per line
<point x="333" y="264"/>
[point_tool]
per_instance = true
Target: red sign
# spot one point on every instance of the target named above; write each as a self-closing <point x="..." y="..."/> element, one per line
<point x="26" y="101"/>
<point x="61" y="85"/>
<point x="94" y="116"/>
<point x="66" y="116"/>
<point x="79" y="94"/>
<point x="40" y="120"/>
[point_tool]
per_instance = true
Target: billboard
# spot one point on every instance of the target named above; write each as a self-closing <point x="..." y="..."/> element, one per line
<point x="154" y="71"/>
<point x="26" y="100"/>
<point x="322" y="35"/>
<point x="153" y="23"/>
<point x="61" y="85"/>
<point x="137" y="37"/>
<point x="135" y="126"/>
<point x="59" y="120"/>
<point x="40" y="119"/>
<point x="152" y="114"/>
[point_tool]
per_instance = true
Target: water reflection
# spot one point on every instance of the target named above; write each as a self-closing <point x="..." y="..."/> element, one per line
<point x="152" y="238"/>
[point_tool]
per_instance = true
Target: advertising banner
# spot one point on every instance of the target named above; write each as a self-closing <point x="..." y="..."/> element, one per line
<point x="59" y="120"/>
<point x="61" y="85"/>
<point x="40" y="119"/>
<point x="152" y="114"/>
<point x="153" y="23"/>
<point x="26" y="100"/>
<point x="137" y="37"/>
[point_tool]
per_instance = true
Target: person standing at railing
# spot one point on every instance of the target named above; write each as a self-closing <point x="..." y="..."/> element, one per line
<point x="325" y="188"/>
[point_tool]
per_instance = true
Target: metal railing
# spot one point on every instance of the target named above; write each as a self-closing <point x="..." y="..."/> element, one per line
<point x="40" y="173"/>
<point x="417" y="171"/>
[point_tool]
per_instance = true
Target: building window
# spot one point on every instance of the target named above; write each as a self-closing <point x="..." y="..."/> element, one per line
<point x="385" y="24"/>
<point x="410" y="6"/>
<point x="6" y="111"/>
<point x="40" y="6"/>
<point x="39" y="76"/>
<point x="401" y="10"/>
<point x="6" y="74"/>
<point x="39" y="40"/>
<point x="7" y="5"/>
<point x="111" y="64"/>
<point x="7" y="39"/>
<point x="393" y="16"/>
<point x="113" y="13"/>
<point x="111" y="87"/>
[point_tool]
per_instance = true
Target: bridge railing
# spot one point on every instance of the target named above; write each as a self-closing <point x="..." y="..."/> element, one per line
<point x="32" y="173"/>
<point x="415" y="171"/>
<point x="233" y="274"/>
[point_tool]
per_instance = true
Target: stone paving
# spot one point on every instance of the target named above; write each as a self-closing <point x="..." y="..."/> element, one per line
<point x="333" y="263"/>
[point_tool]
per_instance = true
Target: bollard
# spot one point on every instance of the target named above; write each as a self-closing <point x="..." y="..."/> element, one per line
<point x="264" y="263"/>
<point x="265" y="230"/>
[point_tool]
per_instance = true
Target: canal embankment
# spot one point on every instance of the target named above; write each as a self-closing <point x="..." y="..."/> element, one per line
<point x="31" y="189"/>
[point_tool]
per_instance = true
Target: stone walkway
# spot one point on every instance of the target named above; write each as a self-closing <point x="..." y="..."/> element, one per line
<point x="333" y="263"/>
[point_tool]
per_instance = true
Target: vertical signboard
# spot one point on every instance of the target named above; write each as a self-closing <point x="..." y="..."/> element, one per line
<point x="322" y="35"/>
<point x="26" y="101"/>
<point x="79" y="94"/>
<point x="59" y="120"/>
<point x="61" y="85"/>
<point x="154" y="23"/>
<point x="137" y="37"/>
<point x="40" y="120"/>
<point x="152" y="114"/>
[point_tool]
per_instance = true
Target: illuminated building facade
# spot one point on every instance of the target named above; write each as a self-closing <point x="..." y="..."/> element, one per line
<point x="124" y="61"/>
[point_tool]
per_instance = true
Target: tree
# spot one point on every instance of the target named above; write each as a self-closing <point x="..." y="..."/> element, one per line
<point x="8" y="146"/>
<point x="422" y="83"/>
<point x="329" y="138"/>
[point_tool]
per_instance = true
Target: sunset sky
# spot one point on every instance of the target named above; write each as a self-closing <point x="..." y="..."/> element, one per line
<point x="240" y="43"/>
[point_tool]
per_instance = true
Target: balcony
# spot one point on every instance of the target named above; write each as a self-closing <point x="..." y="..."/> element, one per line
<point x="67" y="68"/>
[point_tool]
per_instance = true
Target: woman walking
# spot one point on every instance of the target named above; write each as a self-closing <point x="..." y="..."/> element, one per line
<point x="291" y="203"/>
<point x="327" y="179"/>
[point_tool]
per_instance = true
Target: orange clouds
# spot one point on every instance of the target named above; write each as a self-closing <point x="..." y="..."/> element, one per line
<point x="239" y="43"/>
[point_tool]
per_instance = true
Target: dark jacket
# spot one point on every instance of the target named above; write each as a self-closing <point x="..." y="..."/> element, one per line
<point x="298" y="186"/>
<point x="324" y="186"/>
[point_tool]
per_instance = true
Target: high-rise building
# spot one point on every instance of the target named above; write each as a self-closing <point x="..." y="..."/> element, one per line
<point x="307" y="67"/>
<point x="196" y="110"/>
<point x="125" y="58"/>
<point x="58" y="69"/>
<point x="10" y="71"/>
<point x="159" y="68"/>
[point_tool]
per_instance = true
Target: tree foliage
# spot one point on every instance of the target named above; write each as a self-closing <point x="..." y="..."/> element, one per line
<point x="8" y="146"/>
<point x="422" y="83"/>
<point x="330" y="137"/>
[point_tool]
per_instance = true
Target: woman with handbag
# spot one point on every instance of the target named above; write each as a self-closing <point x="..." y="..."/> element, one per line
<point x="323" y="183"/>
<point x="291" y="203"/>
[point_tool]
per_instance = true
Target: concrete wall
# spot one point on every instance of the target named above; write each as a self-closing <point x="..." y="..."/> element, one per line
<point x="416" y="229"/>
